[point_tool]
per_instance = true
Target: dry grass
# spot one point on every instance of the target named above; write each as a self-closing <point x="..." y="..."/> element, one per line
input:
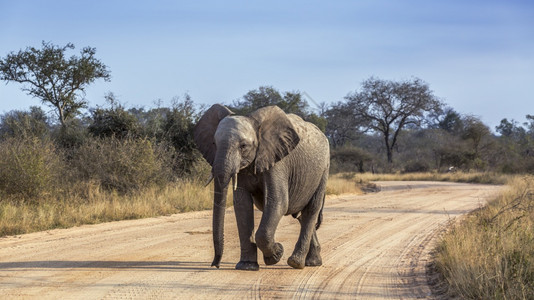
<point x="490" y="255"/>
<point x="471" y="177"/>
<point x="89" y="203"/>
<point x="340" y="184"/>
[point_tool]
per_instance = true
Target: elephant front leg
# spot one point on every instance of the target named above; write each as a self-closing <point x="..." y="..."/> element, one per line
<point x="272" y="213"/>
<point x="244" y="213"/>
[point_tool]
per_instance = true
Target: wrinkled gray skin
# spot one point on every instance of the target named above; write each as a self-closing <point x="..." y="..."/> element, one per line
<point x="281" y="165"/>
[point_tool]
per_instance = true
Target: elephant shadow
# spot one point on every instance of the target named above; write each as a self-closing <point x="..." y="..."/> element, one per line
<point x="185" y="266"/>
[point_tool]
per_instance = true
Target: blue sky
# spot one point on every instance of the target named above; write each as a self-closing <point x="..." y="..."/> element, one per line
<point x="477" y="56"/>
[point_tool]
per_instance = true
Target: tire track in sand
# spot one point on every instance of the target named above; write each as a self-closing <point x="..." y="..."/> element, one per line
<point x="374" y="246"/>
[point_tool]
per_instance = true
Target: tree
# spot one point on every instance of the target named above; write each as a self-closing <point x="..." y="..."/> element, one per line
<point x="290" y="102"/>
<point x="451" y="122"/>
<point x="511" y="129"/>
<point x="388" y="107"/>
<point x="475" y="130"/>
<point x="49" y="75"/>
<point x="342" y="127"/>
<point x="530" y="124"/>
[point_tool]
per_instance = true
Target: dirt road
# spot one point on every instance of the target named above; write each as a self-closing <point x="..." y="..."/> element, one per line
<point x="374" y="246"/>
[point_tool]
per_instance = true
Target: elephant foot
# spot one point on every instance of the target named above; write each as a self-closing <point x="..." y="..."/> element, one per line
<point x="314" y="261"/>
<point x="216" y="261"/>
<point x="295" y="262"/>
<point x="278" y="252"/>
<point x="247" y="266"/>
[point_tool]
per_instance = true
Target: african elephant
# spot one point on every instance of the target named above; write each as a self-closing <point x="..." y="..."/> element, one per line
<point x="277" y="162"/>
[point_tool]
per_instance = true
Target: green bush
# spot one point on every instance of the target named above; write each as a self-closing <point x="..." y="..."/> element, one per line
<point x="29" y="167"/>
<point x="177" y="128"/>
<point x="115" y="121"/>
<point x="123" y="165"/>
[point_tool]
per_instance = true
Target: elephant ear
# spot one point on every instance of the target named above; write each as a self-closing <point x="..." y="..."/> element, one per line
<point x="276" y="137"/>
<point x="204" y="131"/>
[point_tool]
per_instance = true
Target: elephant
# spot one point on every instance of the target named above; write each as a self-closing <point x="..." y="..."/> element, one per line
<point x="277" y="162"/>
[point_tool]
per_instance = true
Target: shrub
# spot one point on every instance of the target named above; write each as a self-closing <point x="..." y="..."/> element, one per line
<point x="123" y="165"/>
<point x="349" y="159"/>
<point x="178" y="131"/>
<point x="115" y="121"/>
<point x="29" y="167"/>
<point x="72" y="135"/>
<point x="32" y="123"/>
<point x="416" y="166"/>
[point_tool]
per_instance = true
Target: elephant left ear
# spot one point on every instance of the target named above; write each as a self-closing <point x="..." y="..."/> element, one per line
<point x="276" y="137"/>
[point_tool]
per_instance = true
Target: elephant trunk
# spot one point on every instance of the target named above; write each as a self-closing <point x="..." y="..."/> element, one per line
<point x="219" y="207"/>
<point x="223" y="172"/>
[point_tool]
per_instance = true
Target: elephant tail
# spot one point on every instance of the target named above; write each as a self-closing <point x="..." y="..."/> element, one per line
<point x="320" y="218"/>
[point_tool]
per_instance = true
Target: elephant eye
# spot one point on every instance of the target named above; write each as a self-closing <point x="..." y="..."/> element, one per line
<point x="243" y="146"/>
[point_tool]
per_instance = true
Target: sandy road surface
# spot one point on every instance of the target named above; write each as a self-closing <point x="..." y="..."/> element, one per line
<point x="373" y="246"/>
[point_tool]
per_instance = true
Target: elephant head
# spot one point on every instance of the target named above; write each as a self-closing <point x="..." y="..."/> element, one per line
<point x="231" y="143"/>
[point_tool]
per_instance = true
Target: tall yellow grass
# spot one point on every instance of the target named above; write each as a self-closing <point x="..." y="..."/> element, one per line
<point x="88" y="203"/>
<point x="339" y="184"/>
<point x="490" y="255"/>
<point x="468" y="177"/>
<point x="96" y="205"/>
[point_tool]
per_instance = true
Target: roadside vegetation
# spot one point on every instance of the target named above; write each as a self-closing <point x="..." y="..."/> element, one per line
<point x="467" y="177"/>
<point x="78" y="164"/>
<point x="490" y="254"/>
<point x="89" y="202"/>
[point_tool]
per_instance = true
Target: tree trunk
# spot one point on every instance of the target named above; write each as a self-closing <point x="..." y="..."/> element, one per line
<point x="390" y="155"/>
<point x="61" y="114"/>
<point x="389" y="148"/>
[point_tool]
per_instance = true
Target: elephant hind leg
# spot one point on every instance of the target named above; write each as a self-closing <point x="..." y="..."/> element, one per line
<point x="313" y="259"/>
<point x="307" y="250"/>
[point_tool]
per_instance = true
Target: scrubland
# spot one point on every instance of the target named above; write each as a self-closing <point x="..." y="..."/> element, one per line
<point x="490" y="253"/>
<point x="44" y="188"/>
<point x="487" y="254"/>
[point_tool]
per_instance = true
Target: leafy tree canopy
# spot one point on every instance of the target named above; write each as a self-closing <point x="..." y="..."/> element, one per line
<point x="389" y="106"/>
<point x="290" y="102"/>
<point x="48" y="74"/>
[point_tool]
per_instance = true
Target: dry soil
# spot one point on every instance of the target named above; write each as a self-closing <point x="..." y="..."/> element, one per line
<point x="374" y="246"/>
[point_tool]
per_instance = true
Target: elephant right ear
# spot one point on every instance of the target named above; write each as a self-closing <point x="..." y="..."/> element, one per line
<point x="204" y="132"/>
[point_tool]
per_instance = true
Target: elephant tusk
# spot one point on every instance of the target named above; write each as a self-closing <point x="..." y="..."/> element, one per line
<point x="209" y="180"/>
<point x="234" y="181"/>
